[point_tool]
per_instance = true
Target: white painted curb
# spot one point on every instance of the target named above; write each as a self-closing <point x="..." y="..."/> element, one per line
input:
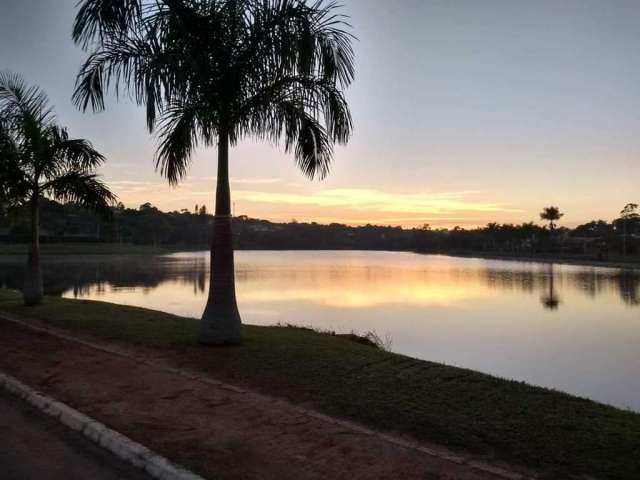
<point x="131" y="452"/>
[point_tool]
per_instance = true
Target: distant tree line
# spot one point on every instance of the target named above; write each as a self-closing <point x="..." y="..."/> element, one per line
<point x="147" y="225"/>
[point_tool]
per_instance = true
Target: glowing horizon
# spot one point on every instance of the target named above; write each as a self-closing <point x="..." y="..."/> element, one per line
<point x="465" y="113"/>
<point x="356" y="206"/>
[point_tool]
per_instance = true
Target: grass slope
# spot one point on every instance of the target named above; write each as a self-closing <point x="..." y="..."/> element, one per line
<point x="557" y="434"/>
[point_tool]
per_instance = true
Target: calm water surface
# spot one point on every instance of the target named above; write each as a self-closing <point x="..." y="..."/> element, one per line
<point x="572" y="328"/>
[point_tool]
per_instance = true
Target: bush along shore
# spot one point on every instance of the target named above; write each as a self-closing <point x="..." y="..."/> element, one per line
<point x="555" y="434"/>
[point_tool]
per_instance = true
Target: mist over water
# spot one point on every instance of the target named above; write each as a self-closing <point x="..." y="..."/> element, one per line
<point x="573" y="328"/>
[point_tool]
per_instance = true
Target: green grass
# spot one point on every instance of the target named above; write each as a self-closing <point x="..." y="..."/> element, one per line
<point x="557" y="434"/>
<point x="88" y="249"/>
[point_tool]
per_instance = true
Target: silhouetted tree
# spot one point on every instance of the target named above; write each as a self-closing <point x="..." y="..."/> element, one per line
<point x="629" y="212"/>
<point x="598" y="228"/>
<point x="552" y="215"/>
<point x="40" y="160"/>
<point x="217" y="71"/>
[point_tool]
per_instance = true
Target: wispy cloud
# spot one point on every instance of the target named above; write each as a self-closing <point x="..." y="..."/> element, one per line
<point x="255" y="181"/>
<point x="425" y="203"/>
<point x="127" y="183"/>
<point x="241" y="180"/>
<point x="345" y="205"/>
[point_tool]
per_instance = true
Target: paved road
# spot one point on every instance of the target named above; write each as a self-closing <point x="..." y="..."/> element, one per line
<point x="35" y="447"/>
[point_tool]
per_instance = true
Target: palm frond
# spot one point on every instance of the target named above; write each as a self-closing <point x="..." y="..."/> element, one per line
<point x="308" y="113"/>
<point x="85" y="189"/>
<point x="178" y="135"/>
<point x="313" y="150"/>
<point x="100" y="18"/>
<point x="131" y="63"/>
<point x="14" y="181"/>
<point x="272" y="69"/>
<point x="18" y="100"/>
<point x="75" y="153"/>
<point x="37" y="154"/>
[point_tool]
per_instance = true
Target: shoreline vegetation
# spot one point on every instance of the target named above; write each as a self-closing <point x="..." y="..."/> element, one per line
<point x="147" y="225"/>
<point x="553" y="433"/>
<point x="87" y="248"/>
<point x="616" y="262"/>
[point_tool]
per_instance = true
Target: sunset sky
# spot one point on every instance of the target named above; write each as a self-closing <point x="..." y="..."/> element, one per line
<point x="465" y="112"/>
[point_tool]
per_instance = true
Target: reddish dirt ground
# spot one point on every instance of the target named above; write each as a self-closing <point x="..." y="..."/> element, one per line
<point x="216" y="431"/>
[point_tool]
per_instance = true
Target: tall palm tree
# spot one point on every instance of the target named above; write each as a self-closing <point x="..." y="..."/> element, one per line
<point x="40" y="160"/>
<point x="552" y="215"/>
<point x="215" y="72"/>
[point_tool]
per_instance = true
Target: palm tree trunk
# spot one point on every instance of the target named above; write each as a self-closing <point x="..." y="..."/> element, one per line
<point x="33" y="290"/>
<point x="221" y="322"/>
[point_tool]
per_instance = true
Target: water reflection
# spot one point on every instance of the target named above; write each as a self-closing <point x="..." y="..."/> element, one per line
<point x="568" y="327"/>
<point x="332" y="282"/>
<point x="550" y="300"/>
<point x="99" y="274"/>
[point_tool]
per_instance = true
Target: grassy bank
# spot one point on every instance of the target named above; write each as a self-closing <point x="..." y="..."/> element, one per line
<point x="554" y="433"/>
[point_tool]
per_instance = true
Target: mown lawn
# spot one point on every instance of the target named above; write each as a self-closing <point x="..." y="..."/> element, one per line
<point x="558" y="435"/>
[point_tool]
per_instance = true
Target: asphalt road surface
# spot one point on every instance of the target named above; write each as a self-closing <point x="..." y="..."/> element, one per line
<point x="35" y="447"/>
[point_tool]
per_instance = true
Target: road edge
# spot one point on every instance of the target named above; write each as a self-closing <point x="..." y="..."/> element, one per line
<point x="121" y="446"/>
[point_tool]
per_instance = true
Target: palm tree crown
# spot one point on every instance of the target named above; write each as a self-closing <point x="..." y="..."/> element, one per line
<point x="39" y="158"/>
<point x="271" y="69"/>
<point x="552" y="215"/>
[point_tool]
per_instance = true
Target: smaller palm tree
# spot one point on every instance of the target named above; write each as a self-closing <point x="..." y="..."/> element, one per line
<point x="38" y="159"/>
<point x="552" y="215"/>
<point x="628" y="213"/>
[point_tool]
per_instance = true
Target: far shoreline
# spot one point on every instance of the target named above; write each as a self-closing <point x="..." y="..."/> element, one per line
<point x="632" y="264"/>
<point x="13" y="250"/>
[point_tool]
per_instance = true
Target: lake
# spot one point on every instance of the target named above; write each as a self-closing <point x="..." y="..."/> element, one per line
<point x="572" y="328"/>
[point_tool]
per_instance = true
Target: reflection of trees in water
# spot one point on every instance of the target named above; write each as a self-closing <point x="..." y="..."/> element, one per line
<point x="629" y="288"/>
<point x="525" y="281"/>
<point x="550" y="300"/>
<point x="99" y="275"/>
<point x="96" y="276"/>
<point x="590" y="281"/>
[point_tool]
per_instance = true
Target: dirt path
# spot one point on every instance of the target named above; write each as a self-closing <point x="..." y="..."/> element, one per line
<point x="216" y="431"/>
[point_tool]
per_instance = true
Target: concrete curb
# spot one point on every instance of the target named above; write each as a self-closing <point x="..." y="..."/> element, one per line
<point x="480" y="466"/>
<point x="126" y="449"/>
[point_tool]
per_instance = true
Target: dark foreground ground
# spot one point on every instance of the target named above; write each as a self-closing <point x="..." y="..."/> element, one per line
<point x="219" y="431"/>
<point x="35" y="447"/>
<point x="555" y="434"/>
